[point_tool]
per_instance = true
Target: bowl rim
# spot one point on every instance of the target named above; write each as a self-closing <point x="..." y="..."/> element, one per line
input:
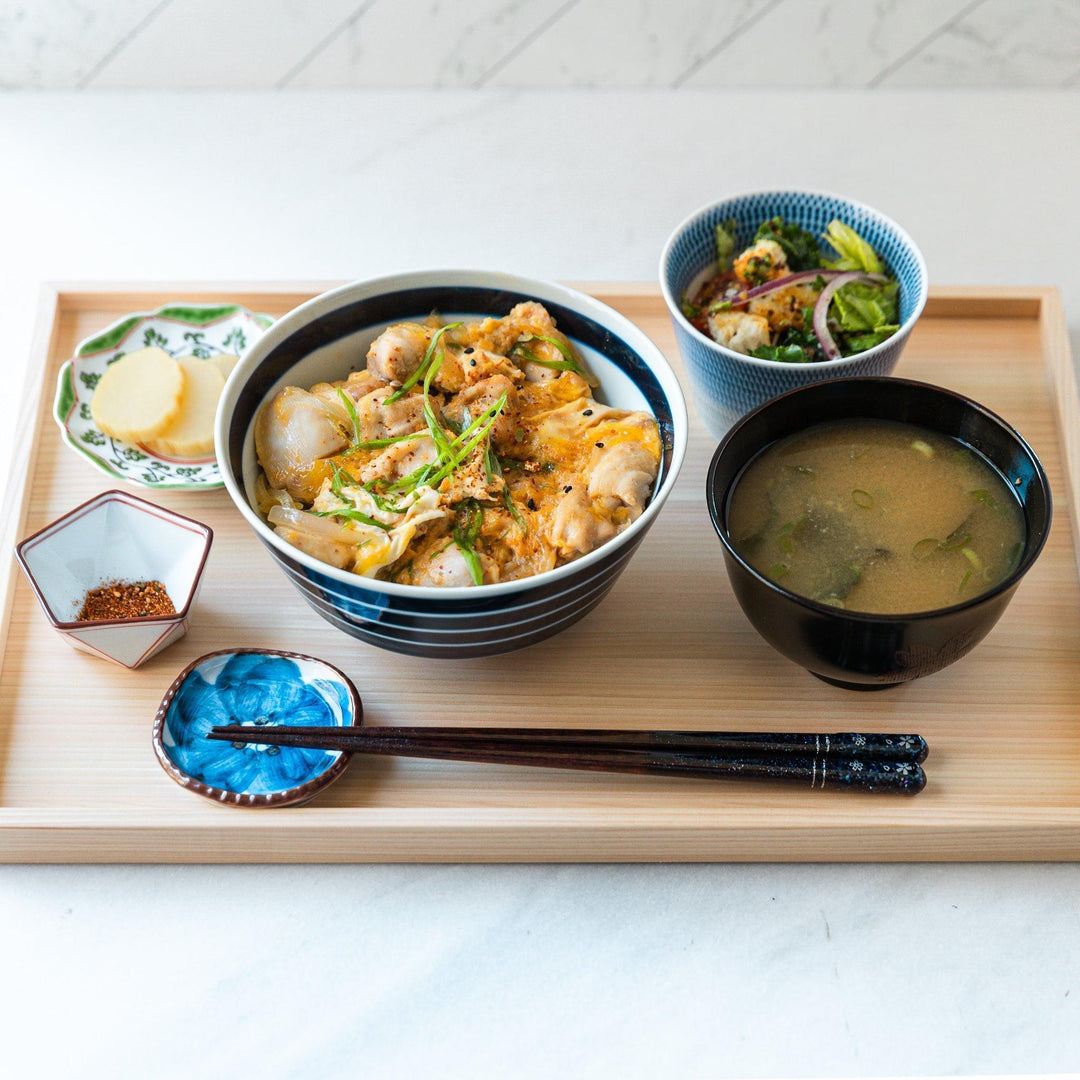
<point x="600" y="312"/>
<point x="284" y="797"/>
<point x="715" y="504"/>
<point x="683" y="323"/>
<point x="171" y="517"/>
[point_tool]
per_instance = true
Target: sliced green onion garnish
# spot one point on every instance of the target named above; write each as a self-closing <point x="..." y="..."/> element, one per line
<point x="558" y="365"/>
<point x="435" y="429"/>
<point x="340" y="477"/>
<point x="353" y="515"/>
<point x="419" y="373"/>
<point x="923" y="448"/>
<point x="964" y="580"/>
<point x="465" y="536"/>
<point x="925" y="548"/>
<point x="515" y="513"/>
<point x="381" y="502"/>
<point x="720" y="305"/>
<point x="488" y="419"/>
<point x="565" y="349"/>
<point x="955" y="540"/>
<point x="785" y="539"/>
<point x="778" y="570"/>
<point x="379" y="444"/>
<point x="350" y="408"/>
<point x="863" y="499"/>
<point x="973" y="558"/>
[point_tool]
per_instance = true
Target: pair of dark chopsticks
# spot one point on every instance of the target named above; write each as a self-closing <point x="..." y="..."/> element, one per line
<point x="864" y="762"/>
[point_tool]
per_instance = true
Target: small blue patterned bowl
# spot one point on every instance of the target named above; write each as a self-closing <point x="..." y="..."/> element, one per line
<point x="257" y="688"/>
<point x="727" y="385"/>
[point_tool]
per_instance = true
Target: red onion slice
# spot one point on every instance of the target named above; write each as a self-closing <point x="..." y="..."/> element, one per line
<point x="779" y="283"/>
<point x="821" y="308"/>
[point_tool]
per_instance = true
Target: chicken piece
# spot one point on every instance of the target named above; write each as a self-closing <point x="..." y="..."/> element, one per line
<point x="625" y="472"/>
<point x="470" y="481"/>
<point x="763" y="261"/>
<point x="294" y="434"/>
<point x="448" y="568"/>
<point x="576" y="529"/>
<point x="399" y="460"/>
<point x="357" y="385"/>
<point x="396" y="353"/>
<point x="381" y="421"/>
<point x="739" y="331"/>
<point x="466" y="367"/>
<point x="783" y="308"/>
<point x="481" y="396"/>
<point x="528" y="317"/>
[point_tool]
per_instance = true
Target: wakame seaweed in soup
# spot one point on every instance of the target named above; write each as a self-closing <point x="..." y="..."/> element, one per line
<point x="876" y="516"/>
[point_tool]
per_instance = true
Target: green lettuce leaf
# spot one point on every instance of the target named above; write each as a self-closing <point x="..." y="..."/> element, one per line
<point x="726" y="233"/>
<point x="862" y="306"/>
<point x="789" y="354"/>
<point x="855" y="253"/>
<point x="800" y="246"/>
<point x="857" y="343"/>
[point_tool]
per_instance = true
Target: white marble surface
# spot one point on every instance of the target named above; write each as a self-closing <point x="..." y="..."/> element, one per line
<point x="526" y="971"/>
<point x="734" y="44"/>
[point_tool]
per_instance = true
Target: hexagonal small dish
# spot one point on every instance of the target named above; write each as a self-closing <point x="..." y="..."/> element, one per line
<point x="259" y="688"/>
<point x="116" y="537"/>
<point x="202" y="330"/>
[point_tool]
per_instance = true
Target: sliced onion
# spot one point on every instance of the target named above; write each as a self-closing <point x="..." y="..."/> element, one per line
<point x="821" y="308"/>
<point x="779" y="283"/>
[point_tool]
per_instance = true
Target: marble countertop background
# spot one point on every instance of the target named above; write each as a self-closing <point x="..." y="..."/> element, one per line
<point x="715" y="44"/>
<point x="583" y="971"/>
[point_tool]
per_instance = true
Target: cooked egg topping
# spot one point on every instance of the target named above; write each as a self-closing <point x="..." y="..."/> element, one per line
<point x="463" y="454"/>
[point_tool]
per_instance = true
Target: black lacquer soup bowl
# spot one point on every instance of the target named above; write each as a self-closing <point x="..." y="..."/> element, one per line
<point x="848" y="648"/>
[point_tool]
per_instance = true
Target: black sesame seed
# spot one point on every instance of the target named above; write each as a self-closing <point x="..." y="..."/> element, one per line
<point x="600" y="444"/>
<point x="469" y="349"/>
<point x="568" y="489"/>
<point x="587" y="412"/>
<point x="472" y="363"/>
<point x="531" y="504"/>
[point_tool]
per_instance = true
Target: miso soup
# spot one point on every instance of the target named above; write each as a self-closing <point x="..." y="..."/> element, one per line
<point x="876" y="516"/>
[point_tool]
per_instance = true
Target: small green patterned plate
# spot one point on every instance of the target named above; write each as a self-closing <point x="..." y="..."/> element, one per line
<point x="202" y="330"/>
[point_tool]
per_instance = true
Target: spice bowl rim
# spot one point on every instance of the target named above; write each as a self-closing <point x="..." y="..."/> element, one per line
<point x="170" y="516"/>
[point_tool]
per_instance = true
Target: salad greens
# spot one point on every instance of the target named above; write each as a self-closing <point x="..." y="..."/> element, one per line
<point x="855" y="253"/>
<point x="726" y="232"/>
<point x="800" y="247"/>
<point x="857" y="316"/>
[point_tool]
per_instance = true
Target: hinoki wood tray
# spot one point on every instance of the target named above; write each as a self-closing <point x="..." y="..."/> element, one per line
<point x="668" y="648"/>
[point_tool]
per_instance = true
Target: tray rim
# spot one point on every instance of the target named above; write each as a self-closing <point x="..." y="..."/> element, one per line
<point x="314" y="834"/>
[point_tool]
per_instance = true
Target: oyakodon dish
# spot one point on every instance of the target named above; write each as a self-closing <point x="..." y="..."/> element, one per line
<point x="463" y="454"/>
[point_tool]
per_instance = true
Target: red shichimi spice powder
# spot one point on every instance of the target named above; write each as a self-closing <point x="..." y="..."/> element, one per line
<point x="126" y="600"/>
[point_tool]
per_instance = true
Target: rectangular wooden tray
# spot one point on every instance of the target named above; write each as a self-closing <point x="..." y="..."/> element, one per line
<point x="668" y="648"/>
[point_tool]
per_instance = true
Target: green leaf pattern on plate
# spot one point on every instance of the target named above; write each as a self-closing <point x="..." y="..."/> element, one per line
<point x="202" y="330"/>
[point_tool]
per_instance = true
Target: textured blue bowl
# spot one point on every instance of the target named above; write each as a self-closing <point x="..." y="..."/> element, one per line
<point x="259" y="689"/>
<point x="727" y="385"/>
<point x="327" y="337"/>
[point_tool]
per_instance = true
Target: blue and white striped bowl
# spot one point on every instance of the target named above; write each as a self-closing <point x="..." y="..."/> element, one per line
<point x="329" y="336"/>
<point x="727" y="385"/>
